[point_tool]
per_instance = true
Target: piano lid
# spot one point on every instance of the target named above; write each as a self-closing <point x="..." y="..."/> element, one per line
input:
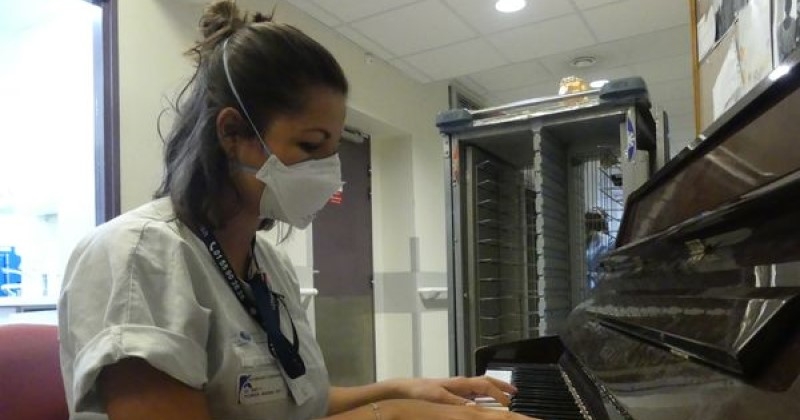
<point x="751" y="145"/>
<point x="696" y="312"/>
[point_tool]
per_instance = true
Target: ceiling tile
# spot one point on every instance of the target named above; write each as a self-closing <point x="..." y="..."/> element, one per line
<point x="415" y="28"/>
<point x="456" y="60"/>
<point x="476" y="89"/>
<point x="665" y="69"/>
<point x="544" y="38"/>
<point x="634" y="17"/>
<point x="607" y="55"/>
<point x="671" y="90"/>
<point x="625" y="52"/>
<point x="484" y="18"/>
<point x="512" y="76"/>
<point x="663" y="43"/>
<point x="411" y="71"/>
<point x="364" y="42"/>
<point x="590" y="4"/>
<point x="548" y="88"/>
<point x="314" y="11"/>
<point x="350" y="10"/>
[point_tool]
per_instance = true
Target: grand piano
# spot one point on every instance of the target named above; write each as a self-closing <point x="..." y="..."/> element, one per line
<point x="696" y="312"/>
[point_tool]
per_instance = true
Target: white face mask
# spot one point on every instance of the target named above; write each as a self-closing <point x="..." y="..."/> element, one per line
<point x="292" y="194"/>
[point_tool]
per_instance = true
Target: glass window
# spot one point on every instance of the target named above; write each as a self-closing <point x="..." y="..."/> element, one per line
<point x="52" y="141"/>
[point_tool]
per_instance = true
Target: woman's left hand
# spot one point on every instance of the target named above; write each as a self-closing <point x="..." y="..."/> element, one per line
<point x="457" y="390"/>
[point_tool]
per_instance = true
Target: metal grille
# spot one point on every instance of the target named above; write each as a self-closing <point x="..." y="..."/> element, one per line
<point x="597" y="204"/>
<point x="497" y="247"/>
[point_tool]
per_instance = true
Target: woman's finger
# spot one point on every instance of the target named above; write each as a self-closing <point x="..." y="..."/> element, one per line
<point x="488" y="388"/>
<point x="503" y="385"/>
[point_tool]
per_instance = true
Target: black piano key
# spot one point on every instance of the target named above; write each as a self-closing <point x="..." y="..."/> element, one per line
<point x="542" y="393"/>
<point x="559" y="383"/>
<point x="549" y="416"/>
<point x="544" y="399"/>
<point x="549" y="408"/>
<point x="535" y="387"/>
<point x="561" y="404"/>
<point x="554" y="384"/>
<point x="532" y="399"/>
<point x="545" y="395"/>
<point x="522" y="390"/>
<point x="572" y="411"/>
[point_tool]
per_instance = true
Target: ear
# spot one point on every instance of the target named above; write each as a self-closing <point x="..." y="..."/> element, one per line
<point x="229" y="130"/>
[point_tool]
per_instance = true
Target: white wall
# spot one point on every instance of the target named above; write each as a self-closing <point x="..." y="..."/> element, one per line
<point x="152" y="36"/>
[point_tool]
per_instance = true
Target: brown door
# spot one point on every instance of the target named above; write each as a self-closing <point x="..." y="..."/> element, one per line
<point x="342" y="241"/>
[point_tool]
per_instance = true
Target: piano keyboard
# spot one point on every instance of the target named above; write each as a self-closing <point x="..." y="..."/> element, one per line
<point x="545" y="392"/>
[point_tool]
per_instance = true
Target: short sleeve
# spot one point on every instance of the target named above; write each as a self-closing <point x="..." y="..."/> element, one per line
<point x="128" y="292"/>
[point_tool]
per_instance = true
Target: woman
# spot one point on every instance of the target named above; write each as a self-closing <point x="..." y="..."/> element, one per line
<point x="180" y="309"/>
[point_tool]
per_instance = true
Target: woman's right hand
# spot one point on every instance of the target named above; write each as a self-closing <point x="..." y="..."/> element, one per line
<point x="423" y="410"/>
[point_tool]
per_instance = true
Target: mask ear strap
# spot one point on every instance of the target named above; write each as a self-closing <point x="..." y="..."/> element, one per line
<point x="238" y="98"/>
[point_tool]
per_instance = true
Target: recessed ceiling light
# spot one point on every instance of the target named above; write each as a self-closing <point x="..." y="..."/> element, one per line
<point x="583" y="62"/>
<point x="509" y="6"/>
<point x="597" y="84"/>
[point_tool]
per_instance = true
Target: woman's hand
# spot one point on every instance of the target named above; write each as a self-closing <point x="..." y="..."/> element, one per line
<point x="454" y="391"/>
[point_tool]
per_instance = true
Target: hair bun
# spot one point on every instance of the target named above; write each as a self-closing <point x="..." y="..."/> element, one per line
<point x="220" y="20"/>
<point x="262" y="18"/>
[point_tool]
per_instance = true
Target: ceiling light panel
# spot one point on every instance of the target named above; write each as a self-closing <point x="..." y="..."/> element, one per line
<point x="509" y="6"/>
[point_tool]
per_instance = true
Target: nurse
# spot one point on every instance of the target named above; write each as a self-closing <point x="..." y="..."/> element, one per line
<point x="181" y="309"/>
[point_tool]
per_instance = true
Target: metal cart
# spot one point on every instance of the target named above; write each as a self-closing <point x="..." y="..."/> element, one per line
<point x="535" y="192"/>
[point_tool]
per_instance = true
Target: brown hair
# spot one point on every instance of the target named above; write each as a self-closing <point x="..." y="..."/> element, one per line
<point x="273" y="67"/>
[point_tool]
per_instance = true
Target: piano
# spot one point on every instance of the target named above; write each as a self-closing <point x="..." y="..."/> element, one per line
<point x="696" y="312"/>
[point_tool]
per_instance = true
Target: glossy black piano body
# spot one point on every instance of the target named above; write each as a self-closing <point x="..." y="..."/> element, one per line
<point x="696" y="315"/>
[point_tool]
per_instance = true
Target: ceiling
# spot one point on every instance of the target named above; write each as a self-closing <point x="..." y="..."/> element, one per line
<point x="507" y="57"/>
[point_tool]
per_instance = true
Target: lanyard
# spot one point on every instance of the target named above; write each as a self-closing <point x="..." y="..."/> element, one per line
<point x="266" y="310"/>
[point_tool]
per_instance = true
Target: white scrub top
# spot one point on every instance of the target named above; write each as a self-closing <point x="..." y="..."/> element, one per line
<point x="143" y="285"/>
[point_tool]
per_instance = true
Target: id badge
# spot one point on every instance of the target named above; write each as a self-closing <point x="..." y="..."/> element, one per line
<point x="260" y="387"/>
<point x="300" y="388"/>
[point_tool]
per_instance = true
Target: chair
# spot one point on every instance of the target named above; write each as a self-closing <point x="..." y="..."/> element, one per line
<point x="31" y="387"/>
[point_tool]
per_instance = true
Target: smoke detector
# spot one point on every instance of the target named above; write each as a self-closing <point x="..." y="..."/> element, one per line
<point x="583" y="62"/>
